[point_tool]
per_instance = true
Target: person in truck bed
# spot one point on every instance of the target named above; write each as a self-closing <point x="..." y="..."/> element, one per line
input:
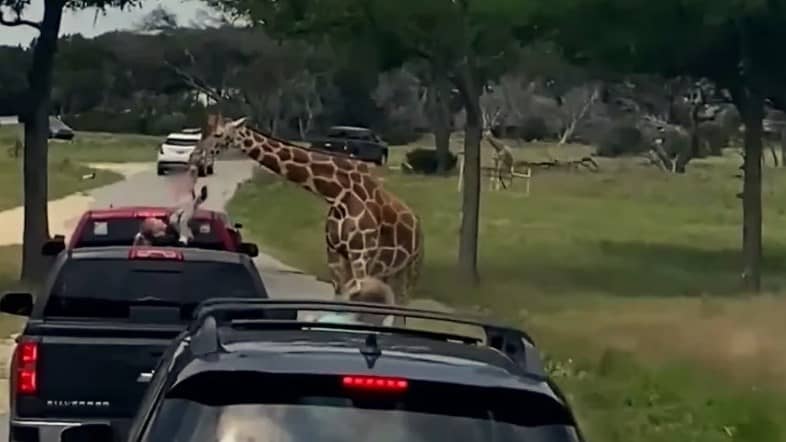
<point x="188" y="203"/>
<point x="154" y="231"/>
<point x="151" y="231"/>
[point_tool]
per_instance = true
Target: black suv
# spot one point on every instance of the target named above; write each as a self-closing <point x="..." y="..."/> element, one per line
<point x="99" y="326"/>
<point x="260" y="371"/>
<point x="358" y="142"/>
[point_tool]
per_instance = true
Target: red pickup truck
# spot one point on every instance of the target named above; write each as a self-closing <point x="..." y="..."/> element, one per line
<point x="118" y="226"/>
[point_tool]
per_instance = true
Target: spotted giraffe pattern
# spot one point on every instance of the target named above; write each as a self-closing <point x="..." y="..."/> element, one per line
<point x="368" y="232"/>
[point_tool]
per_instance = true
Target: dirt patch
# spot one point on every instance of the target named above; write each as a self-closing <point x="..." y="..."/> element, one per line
<point x="61" y="212"/>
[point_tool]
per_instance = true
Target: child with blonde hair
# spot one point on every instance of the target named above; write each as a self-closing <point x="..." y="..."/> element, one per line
<point x="369" y="290"/>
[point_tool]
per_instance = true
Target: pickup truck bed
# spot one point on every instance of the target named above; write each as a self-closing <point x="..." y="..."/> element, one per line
<point x="103" y="321"/>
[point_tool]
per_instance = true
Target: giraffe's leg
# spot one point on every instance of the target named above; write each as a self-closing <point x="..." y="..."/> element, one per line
<point x="338" y="264"/>
<point x="340" y="270"/>
<point x="397" y="283"/>
<point x="359" y="265"/>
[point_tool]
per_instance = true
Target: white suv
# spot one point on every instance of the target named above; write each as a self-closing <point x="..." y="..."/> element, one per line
<point x="176" y="150"/>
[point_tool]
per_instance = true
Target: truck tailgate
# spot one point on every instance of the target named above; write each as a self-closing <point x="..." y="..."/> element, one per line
<point x="92" y="369"/>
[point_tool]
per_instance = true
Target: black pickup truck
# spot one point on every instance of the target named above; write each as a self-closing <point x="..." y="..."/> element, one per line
<point x="357" y="142"/>
<point x="98" y="327"/>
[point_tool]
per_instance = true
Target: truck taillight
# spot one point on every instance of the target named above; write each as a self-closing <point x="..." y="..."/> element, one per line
<point x="26" y="364"/>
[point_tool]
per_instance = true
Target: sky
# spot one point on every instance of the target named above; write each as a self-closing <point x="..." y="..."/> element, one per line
<point x="82" y="21"/>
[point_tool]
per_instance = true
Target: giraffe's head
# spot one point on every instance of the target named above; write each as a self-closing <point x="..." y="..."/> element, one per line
<point x="219" y="134"/>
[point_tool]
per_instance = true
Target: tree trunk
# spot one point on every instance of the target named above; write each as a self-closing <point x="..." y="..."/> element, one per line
<point x="440" y="98"/>
<point x="752" y="111"/>
<point x="35" y="117"/>
<point x="774" y="155"/>
<point x="470" y="209"/>
<point x="576" y="117"/>
<point x="683" y="158"/>
<point x="783" y="148"/>
<point x="300" y="130"/>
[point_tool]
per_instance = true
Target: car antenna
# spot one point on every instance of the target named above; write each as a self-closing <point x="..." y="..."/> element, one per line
<point x="371" y="350"/>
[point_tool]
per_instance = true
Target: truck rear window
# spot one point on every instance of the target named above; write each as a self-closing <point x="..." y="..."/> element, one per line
<point x="102" y="288"/>
<point x="121" y="232"/>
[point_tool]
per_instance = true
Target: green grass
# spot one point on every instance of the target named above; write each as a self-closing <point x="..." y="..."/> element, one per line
<point x="628" y="261"/>
<point x="65" y="178"/>
<point x="67" y="162"/>
<point x="92" y="146"/>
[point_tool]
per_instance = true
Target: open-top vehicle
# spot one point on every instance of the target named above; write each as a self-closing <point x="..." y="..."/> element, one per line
<point x="118" y="226"/>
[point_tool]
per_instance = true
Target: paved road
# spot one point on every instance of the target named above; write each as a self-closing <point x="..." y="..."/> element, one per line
<point x="146" y="188"/>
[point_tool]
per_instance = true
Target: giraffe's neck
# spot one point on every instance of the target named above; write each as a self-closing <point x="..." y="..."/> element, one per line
<point x="327" y="176"/>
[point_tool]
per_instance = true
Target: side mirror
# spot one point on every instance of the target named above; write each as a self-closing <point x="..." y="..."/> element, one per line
<point x="88" y="433"/>
<point x="249" y="248"/>
<point x="17" y="303"/>
<point x="53" y="246"/>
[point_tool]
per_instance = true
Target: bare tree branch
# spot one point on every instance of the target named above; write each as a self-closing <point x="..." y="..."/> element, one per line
<point x="578" y="115"/>
<point x="195" y="82"/>
<point x="19" y="21"/>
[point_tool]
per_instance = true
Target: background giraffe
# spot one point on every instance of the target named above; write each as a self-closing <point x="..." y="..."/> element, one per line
<point x="369" y="231"/>
<point x="503" y="161"/>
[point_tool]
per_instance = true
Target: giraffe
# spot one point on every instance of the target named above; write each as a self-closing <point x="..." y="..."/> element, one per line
<point x="503" y="161"/>
<point x="368" y="231"/>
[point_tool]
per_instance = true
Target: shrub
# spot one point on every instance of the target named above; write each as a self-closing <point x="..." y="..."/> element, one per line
<point x="534" y="128"/>
<point x="399" y="133"/>
<point x="101" y="121"/>
<point x="621" y="140"/>
<point x="677" y="143"/>
<point x="713" y="138"/>
<point x="424" y="161"/>
<point x="165" y="124"/>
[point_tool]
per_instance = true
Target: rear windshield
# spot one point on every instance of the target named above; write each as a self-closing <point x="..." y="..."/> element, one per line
<point x="180" y="142"/>
<point x="207" y="413"/>
<point x="121" y="232"/>
<point x="103" y="288"/>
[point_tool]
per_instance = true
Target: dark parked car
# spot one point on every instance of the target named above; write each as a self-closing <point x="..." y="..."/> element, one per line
<point x="250" y="370"/>
<point x="59" y="130"/>
<point x="99" y="326"/>
<point x="357" y="142"/>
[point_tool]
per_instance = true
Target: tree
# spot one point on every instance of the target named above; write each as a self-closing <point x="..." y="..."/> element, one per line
<point x="12" y="78"/>
<point x="35" y="117"/>
<point x="159" y="19"/>
<point x="729" y="42"/>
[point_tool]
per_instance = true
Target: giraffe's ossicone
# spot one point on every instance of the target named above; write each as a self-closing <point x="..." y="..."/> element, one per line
<point x="369" y="232"/>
